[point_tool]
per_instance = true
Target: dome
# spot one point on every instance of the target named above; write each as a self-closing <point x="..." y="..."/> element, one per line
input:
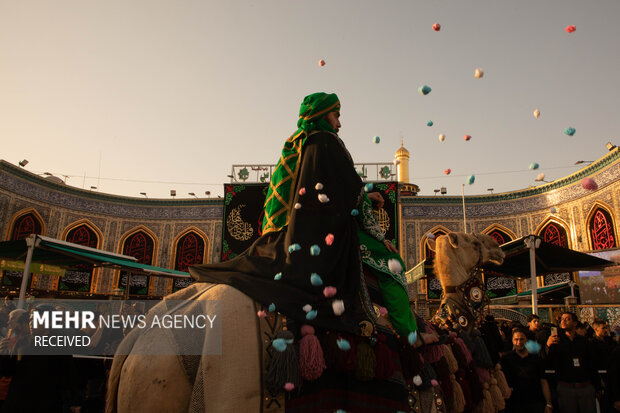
<point x="401" y="152"/>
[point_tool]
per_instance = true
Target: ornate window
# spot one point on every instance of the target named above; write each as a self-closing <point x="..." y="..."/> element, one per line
<point x="428" y="253"/>
<point x="554" y="234"/>
<point x="602" y="230"/>
<point x="190" y="250"/>
<point x="500" y="236"/>
<point x="25" y="225"/>
<point x="139" y="245"/>
<point x="79" y="279"/>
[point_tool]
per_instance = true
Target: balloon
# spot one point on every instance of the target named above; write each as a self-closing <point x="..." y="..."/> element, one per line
<point x="534" y="166"/>
<point x="471" y="179"/>
<point x="467" y="137"/>
<point x="540" y="177"/>
<point x="321" y="62"/>
<point x="570" y="131"/>
<point x="589" y="184"/>
<point x="571" y="28"/>
<point x="376" y="139"/>
<point x="429" y="123"/>
<point x="425" y="90"/>
<point x="478" y="73"/>
<point x="442" y="137"/>
<point x="436" y="27"/>
<point x="447" y="171"/>
<point x="536" y="113"/>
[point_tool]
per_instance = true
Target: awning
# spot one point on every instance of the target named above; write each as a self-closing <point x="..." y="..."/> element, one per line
<point x="416" y="273"/>
<point x="547" y="289"/>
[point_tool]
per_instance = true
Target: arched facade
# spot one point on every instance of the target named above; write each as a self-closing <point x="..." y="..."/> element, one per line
<point x="24" y="223"/>
<point x="554" y="231"/>
<point x="140" y="243"/>
<point x="82" y="232"/>
<point x="190" y="248"/>
<point x="437" y="230"/>
<point x="601" y="227"/>
<point x="500" y="233"/>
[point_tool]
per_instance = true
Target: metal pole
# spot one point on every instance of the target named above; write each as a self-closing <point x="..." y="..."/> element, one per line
<point x="31" y="241"/>
<point x="464" y="216"/>
<point x="531" y="244"/>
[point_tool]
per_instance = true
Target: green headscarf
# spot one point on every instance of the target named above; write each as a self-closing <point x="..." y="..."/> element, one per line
<point x="279" y="195"/>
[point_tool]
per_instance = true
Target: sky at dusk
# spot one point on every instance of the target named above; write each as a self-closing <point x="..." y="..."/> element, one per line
<point x="148" y="95"/>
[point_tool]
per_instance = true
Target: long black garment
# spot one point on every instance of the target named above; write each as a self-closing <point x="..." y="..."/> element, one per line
<point x="325" y="162"/>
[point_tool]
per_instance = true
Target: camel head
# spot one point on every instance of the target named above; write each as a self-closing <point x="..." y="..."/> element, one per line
<point x="456" y="254"/>
<point x="491" y="252"/>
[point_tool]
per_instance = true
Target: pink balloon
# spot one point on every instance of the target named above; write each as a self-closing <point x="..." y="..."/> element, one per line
<point x="467" y="137"/>
<point x="447" y="171"/>
<point x="589" y="184"/>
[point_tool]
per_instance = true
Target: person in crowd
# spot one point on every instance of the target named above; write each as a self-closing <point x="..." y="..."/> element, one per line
<point x="525" y="375"/>
<point x="582" y="329"/>
<point x="536" y="332"/>
<point x="17" y="332"/>
<point x="570" y="356"/>
<point x="602" y="346"/>
<point x="613" y="375"/>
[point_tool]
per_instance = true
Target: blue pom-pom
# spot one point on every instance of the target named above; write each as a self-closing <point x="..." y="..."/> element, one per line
<point x="311" y="315"/>
<point x="315" y="250"/>
<point x="532" y="347"/>
<point x="471" y="179"/>
<point x="425" y="90"/>
<point x="376" y="139"/>
<point x="534" y="166"/>
<point x="570" y="131"/>
<point x="294" y="247"/>
<point x="272" y="307"/>
<point x="278" y="276"/>
<point x="368" y="187"/>
<point x="315" y="279"/>
<point x="355" y="212"/>
<point x="279" y="344"/>
<point x="412" y="337"/>
<point x="429" y="123"/>
<point x="343" y="344"/>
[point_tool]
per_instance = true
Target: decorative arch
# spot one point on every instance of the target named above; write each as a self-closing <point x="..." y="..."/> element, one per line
<point x="25" y="218"/>
<point x="81" y="232"/>
<point x="425" y="251"/>
<point x="84" y="224"/>
<point x="501" y="234"/>
<point x="555" y="231"/>
<point x="190" y="247"/>
<point x="142" y="244"/>
<point x="601" y="227"/>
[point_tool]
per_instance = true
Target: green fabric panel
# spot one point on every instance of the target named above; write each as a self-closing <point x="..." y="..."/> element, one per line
<point x="397" y="303"/>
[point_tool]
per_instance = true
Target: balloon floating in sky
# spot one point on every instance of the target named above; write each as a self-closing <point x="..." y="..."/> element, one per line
<point x="429" y="123"/>
<point x="570" y="131"/>
<point x="425" y="90"/>
<point x="321" y="62"/>
<point x="589" y="184"/>
<point x="536" y="113"/>
<point x="471" y="179"/>
<point x="376" y="139"/>
<point x="478" y="73"/>
<point x="534" y="166"/>
<point x="436" y="27"/>
<point x="571" y="28"/>
<point x="447" y="171"/>
<point x="467" y="137"/>
<point x="442" y="137"/>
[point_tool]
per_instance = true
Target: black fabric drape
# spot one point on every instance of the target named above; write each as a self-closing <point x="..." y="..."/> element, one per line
<point x="325" y="161"/>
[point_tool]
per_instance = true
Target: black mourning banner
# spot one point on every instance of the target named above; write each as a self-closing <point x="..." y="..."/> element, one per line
<point x="138" y="284"/>
<point x="500" y="286"/>
<point x="75" y="281"/>
<point x="434" y="290"/>
<point x="12" y="278"/>
<point x="388" y="215"/>
<point x="243" y="216"/>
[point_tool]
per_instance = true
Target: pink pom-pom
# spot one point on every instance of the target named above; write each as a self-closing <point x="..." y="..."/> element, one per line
<point x="261" y="314"/>
<point x="436" y="27"/>
<point x="321" y="62"/>
<point x="383" y="311"/>
<point x="589" y="184"/>
<point x="447" y="171"/>
<point x="434" y="383"/>
<point x="467" y="137"/>
<point x="302" y="191"/>
<point x="329" y="291"/>
<point x="307" y="330"/>
<point x="289" y="386"/>
<point x="571" y="28"/>
<point x="329" y="239"/>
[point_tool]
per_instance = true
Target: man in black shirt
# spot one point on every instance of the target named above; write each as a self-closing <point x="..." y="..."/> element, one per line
<point x="537" y="333"/>
<point x="525" y="375"/>
<point x="570" y="356"/>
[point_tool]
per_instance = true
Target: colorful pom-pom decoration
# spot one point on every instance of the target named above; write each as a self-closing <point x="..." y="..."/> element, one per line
<point x="307" y="308"/>
<point x="261" y="314"/>
<point x="424" y="90"/>
<point x="383" y="311"/>
<point x="272" y="307"/>
<point x="288" y="386"/>
<point x="279" y="344"/>
<point x="315" y="279"/>
<point x="318" y="186"/>
<point x="297" y="205"/>
<point x="338" y="307"/>
<point x="311" y="315"/>
<point x="376" y="139"/>
<point x="447" y="171"/>
<point x="540" y="177"/>
<point x="532" y="347"/>
<point x="534" y="166"/>
<point x="417" y="380"/>
<point x="368" y="187"/>
<point x="467" y="137"/>
<point x="429" y="123"/>
<point x="329" y="239"/>
<point x="442" y="137"/>
<point x="321" y="63"/>
<point x="394" y="266"/>
<point x="471" y="179"/>
<point x="536" y="113"/>
<point x="278" y="276"/>
<point x="436" y="27"/>
<point x="343" y="344"/>
<point x="293" y="247"/>
<point x="412" y="338"/>
<point x="430" y="235"/>
<point x="329" y="291"/>
<point x="570" y="131"/>
<point x="302" y="191"/>
<point x="434" y="383"/>
<point x="355" y="212"/>
<point x="315" y="250"/>
<point x="589" y="184"/>
<point x="478" y="73"/>
<point x="323" y="198"/>
<point x="553" y="210"/>
<point x="571" y="28"/>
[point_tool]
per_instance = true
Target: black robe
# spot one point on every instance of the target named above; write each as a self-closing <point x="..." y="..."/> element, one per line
<point x="324" y="160"/>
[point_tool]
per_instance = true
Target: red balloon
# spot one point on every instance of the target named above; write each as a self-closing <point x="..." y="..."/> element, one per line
<point x="436" y="27"/>
<point x="467" y="137"/>
<point x="571" y="28"/>
<point x="447" y="171"/>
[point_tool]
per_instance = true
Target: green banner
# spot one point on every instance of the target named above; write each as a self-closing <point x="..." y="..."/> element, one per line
<point x="35" y="267"/>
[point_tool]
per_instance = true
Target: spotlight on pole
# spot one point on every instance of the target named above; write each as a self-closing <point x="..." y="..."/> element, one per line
<point x="173" y="192"/>
<point x="192" y="194"/>
<point x="208" y="193"/>
<point x="23" y="163"/>
<point x="143" y="193"/>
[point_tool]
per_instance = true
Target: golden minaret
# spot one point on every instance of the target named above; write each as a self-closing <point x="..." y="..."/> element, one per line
<point x="402" y="168"/>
